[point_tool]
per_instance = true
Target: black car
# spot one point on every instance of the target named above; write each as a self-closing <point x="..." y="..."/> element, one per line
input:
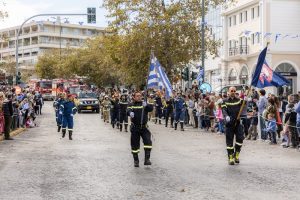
<point x="88" y="101"/>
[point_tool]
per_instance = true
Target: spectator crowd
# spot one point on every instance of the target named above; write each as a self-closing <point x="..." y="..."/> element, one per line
<point x="18" y="110"/>
<point x="266" y="117"/>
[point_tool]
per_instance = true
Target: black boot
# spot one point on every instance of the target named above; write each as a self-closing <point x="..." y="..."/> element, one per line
<point x="147" y="157"/>
<point x="126" y="125"/>
<point x="155" y="121"/>
<point x="181" y="124"/>
<point x="58" y="128"/>
<point x="172" y="122"/>
<point x="167" y="119"/>
<point x="70" y="135"/>
<point x="63" y="133"/>
<point x="113" y="124"/>
<point x="176" y="125"/>
<point x="121" y="126"/>
<point x="159" y="121"/>
<point x="136" y="160"/>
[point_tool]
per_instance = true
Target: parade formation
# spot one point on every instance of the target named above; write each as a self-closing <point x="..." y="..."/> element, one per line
<point x="167" y="99"/>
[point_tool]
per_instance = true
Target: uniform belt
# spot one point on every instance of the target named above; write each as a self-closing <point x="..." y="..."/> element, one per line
<point x="139" y="125"/>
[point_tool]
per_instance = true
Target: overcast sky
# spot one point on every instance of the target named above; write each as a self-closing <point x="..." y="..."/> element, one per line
<point x="19" y="10"/>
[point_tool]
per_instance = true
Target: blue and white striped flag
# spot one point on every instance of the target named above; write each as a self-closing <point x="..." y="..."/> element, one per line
<point x="157" y="78"/>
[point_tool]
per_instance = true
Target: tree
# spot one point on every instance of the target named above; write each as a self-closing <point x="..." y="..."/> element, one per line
<point x="170" y="30"/>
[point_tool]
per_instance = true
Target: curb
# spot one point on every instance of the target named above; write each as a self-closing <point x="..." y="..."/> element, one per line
<point x="13" y="133"/>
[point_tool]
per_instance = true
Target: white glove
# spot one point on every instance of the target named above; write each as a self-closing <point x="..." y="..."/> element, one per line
<point x="72" y="115"/>
<point x="132" y="114"/>
<point x="144" y="103"/>
<point x="60" y="112"/>
<point x="227" y="119"/>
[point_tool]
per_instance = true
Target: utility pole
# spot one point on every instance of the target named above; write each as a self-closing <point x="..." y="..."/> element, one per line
<point x="202" y="39"/>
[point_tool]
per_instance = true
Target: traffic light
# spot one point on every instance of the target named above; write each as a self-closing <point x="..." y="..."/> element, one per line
<point x="91" y="15"/>
<point x="185" y="74"/>
<point x="194" y="75"/>
<point x="18" y="78"/>
<point x="10" y="80"/>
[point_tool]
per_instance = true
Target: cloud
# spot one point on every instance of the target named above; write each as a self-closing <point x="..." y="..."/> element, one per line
<point x="19" y="11"/>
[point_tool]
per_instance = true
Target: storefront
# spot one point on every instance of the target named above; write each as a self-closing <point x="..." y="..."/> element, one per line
<point x="244" y="76"/>
<point x="288" y="71"/>
<point x="232" y="77"/>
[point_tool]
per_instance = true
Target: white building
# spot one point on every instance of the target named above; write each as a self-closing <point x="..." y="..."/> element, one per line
<point x="213" y="65"/>
<point x="36" y="37"/>
<point x="248" y="26"/>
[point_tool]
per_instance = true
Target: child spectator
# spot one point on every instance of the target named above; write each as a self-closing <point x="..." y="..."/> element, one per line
<point x="253" y="126"/>
<point x="271" y="128"/>
<point x="291" y="130"/>
<point x="220" y="119"/>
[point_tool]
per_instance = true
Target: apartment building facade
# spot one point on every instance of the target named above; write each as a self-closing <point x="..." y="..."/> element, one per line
<point x="38" y="36"/>
<point x="248" y="26"/>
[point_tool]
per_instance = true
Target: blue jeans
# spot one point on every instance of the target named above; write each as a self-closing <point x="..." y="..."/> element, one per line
<point x="262" y="127"/>
<point x="298" y="128"/>
<point x="221" y="125"/>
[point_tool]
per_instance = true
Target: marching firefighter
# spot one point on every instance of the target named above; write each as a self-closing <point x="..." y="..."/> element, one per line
<point x="106" y="107"/>
<point x="231" y="107"/>
<point x="170" y="112"/>
<point x="60" y="100"/>
<point x="114" y="111"/>
<point x="138" y="112"/>
<point x="123" y="112"/>
<point x="158" y="107"/>
<point x="68" y="109"/>
<point x="180" y="108"/>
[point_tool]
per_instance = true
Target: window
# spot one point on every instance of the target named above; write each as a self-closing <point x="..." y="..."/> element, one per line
<point x="230" y="22"/>
<point x="246" y="16"/>
<point x="258" y="38"/>
<point x="258" y="11"/>
<point x="234" y="20"/>
<point x="241" y="18"/>
<point x="253" y="38"/>
<point x="252" y="13"/>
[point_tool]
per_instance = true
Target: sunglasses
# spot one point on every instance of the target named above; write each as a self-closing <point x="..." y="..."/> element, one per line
<point x="232" y="90"/>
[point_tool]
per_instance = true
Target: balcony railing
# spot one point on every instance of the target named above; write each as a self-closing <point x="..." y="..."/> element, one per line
<point x="240" y="50"/>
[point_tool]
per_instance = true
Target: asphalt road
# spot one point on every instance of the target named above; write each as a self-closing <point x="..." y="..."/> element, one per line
<point x="97" y="164"/>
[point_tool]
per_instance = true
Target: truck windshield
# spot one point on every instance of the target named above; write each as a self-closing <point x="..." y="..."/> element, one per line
<point x="46" y="84"/>
<point x="87" y="95"/>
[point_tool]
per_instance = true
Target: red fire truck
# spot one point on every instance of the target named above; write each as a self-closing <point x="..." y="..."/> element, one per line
<point x="44" y="87"/>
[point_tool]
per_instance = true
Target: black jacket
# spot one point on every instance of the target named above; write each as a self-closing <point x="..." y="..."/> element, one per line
<point x="137" y="108"/>
<point x="8" y="109"/>
<point x="231" y="107"/>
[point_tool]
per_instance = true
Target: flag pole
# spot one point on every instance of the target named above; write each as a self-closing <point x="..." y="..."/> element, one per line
<point x="146" y="90"/>
<point x="244" y="102"/>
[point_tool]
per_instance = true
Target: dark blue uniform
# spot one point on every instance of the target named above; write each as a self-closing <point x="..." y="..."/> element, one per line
<point x="68" y="109"/>
<point x="158" y="110"/>
<point x="115" y="113"/>
<point x="58" y="113"/>
<point x="180" y="108"/>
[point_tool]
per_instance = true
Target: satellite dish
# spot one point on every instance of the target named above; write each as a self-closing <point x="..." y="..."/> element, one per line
<point x="205" y="88"/>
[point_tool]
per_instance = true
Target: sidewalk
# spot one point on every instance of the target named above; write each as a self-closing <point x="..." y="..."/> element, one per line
<point x="13" y="133"/>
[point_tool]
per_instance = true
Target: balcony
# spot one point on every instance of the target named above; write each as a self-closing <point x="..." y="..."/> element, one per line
<point x="241" y="50"/>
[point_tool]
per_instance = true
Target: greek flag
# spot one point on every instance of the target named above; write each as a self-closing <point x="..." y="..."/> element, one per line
<point x="157" y="78"/>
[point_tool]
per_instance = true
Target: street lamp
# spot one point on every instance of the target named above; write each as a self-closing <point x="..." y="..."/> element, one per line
<point x="42" y="15"/>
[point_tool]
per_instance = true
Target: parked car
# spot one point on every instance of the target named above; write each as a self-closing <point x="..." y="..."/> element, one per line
<point x="239" y="88"/>
<point x="88" y="101"/>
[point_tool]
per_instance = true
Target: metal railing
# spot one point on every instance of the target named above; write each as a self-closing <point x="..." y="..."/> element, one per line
<point x="240" y="50"/>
